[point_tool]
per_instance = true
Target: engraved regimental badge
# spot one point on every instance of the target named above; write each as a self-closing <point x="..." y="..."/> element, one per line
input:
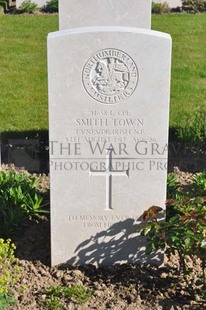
<point x="110" y="76"/>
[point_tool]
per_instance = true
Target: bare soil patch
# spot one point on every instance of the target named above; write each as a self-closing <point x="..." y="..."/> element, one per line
<point x="126" y="287"/>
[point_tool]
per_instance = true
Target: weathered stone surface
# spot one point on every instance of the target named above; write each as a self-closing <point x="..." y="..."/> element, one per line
<point x="109" y="105"/>
<point x="79" y="13"/>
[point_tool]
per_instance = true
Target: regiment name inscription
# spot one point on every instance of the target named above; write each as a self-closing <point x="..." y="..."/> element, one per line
<point x="110" y="76"/>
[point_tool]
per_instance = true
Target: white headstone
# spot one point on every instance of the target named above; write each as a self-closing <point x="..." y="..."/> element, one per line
<point x="109" y="104"/>
<point x="81" y="13"/>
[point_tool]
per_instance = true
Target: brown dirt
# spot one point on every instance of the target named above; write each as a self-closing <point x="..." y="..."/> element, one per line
<point x="125" y="287"/>
<point x="121" y="287"/>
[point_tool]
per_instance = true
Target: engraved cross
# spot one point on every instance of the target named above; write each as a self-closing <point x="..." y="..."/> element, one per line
<point x="109" y="173"/>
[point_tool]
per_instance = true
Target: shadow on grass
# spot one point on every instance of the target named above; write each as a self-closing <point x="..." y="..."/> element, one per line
<point x="189" y="156"/>
<point x="28" y="149"/>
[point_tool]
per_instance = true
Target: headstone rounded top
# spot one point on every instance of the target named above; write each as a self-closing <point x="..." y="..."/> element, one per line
<point x="81" y="13"/>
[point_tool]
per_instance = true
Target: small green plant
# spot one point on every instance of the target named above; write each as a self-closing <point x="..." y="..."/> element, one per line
<point x="194" y="5"/>
<point x="172" y="185"/>
<point x="59" y="296"/>
<point x="184" y="233"/>
<point x="199" y="184"/>
<point x="52" y="6"/>
<point x="5" y="301"/>
<point x="20" y="200"/>
<point x="9" y="272"/>
<point x="160" y="8"/>
<point x="28" y="7"/>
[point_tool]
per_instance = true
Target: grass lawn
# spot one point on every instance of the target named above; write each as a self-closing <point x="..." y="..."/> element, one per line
<point x="23" y="75"/>
<point x="188" y="87"/>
